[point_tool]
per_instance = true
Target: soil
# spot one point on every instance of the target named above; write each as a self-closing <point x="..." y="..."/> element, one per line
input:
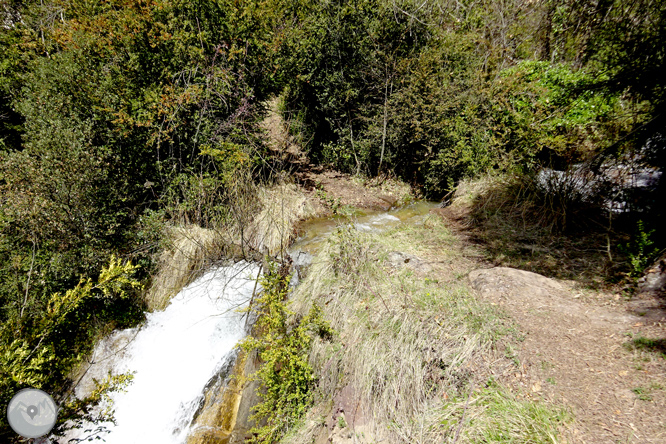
<point x="574" y="353"/>
<point x="584" y="349"/>
<point x="335" y="188"/>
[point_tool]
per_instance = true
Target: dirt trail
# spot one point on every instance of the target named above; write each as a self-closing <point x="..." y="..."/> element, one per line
<point x="327" y="188"/>
<point x="573" y="353"/>
<point x="575" y="348"/>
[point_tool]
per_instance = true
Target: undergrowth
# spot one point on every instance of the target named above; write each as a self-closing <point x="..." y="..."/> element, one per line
<point x="518" y="225"/>
<point x="283" y="343"/>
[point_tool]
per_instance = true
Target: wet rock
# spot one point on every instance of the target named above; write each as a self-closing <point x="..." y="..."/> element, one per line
<point x="216" y="417"/>
<point x="208" y="436"/>
<point x="301" y="260"/>
<point x="249" y="397"/>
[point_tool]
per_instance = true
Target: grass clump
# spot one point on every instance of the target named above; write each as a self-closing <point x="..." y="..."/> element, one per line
<point x="497" y="416"/>
<point x="641" y="343"/>
<point x="409" y="346"/>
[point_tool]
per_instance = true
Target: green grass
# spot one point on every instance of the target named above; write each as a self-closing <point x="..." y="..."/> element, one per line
<point x="642" y="393"/>
<point x="506" y="419"/>
<point x="641" y="343"/>
<point x="407" y="340"/>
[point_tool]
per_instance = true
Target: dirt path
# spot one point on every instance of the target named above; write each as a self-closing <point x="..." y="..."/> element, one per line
<point x="574" y="352"/>
<point x="581" y="348"/>
<point x="328" y="188"/>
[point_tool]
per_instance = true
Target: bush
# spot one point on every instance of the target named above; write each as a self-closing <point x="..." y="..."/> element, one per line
<point x="283" y="345"/>
<point x="552" y="114"/>
<point x="40" y="346"/>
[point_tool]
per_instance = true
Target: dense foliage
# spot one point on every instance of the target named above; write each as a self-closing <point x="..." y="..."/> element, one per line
<point x="114" y="117"/>
<point x="434" y="91"/>
<point x="283" y="345"/>
<point x="40" y="349"/>
<point x="121" y="115"/>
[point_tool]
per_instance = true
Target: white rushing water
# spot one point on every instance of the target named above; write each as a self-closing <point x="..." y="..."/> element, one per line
<point x="173" y="355"/>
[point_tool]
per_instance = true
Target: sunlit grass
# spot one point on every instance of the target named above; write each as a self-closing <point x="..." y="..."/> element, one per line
<point x="410" y="346"/>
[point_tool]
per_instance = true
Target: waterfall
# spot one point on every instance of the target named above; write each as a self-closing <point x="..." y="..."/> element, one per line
<point x="172" y="356"/>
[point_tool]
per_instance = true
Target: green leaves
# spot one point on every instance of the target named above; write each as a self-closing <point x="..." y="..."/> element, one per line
<point x="24" y="366"/>
<point x="641" y="250"/>
<point x="41" y="348"/>
<point x="115" y="279"/>
<point x="283" y="346"/>
<point x="552" y="111"/>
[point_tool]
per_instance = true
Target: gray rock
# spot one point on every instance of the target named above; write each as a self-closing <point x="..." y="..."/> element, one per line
<point x="301" y="260"/>
<point x="654" y="279"/>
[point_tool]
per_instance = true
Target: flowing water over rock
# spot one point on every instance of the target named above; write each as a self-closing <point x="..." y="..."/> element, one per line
<point x="315" y="231"/>
<point x="173" y="356"/>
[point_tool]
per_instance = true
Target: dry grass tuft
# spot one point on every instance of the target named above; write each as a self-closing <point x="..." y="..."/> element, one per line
<point x="281" y="208"/>
<point x="409" y="350"/>
<point x="190" y="250"/>
<point x="517" y="226"/>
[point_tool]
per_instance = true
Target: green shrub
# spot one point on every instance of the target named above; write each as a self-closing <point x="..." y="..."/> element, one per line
<point x="283" y="344"/>
<point x="640" y="250"/>
<point x="551" y="113"/>
<point x="40" y="348"/>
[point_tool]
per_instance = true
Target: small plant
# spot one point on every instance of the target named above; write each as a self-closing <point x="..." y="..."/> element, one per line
<point x="642" y="343"/>
<point x="351" y="251"/>
<point x="640" y="250"/>
<point x="341" y="422"/>
<point x="333" y="204"/>
<point x="511" y="354"/>
<point x="642" y="393"/>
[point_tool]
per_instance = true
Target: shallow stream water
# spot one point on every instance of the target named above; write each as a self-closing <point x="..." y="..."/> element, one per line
<point x="174" y="355"/>
<point x="315" y="231"/>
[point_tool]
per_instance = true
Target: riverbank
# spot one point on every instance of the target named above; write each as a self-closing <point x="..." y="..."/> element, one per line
<point x="415" y="355"/>
<point x="435" y="343"/>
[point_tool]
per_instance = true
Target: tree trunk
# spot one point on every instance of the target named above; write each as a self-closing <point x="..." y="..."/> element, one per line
<point x="381" y="156"/>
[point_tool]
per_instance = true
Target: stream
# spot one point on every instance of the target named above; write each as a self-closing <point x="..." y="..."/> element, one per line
<point x="177" y="352"/>
<point x="315" y="231"/>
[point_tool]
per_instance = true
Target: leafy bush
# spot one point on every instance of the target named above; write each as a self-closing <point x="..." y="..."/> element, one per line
<point x="38" y="348"/>
<point x="551" y="113"/>
<point x="283" y="345"/>
<point x="640" y="251"/>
